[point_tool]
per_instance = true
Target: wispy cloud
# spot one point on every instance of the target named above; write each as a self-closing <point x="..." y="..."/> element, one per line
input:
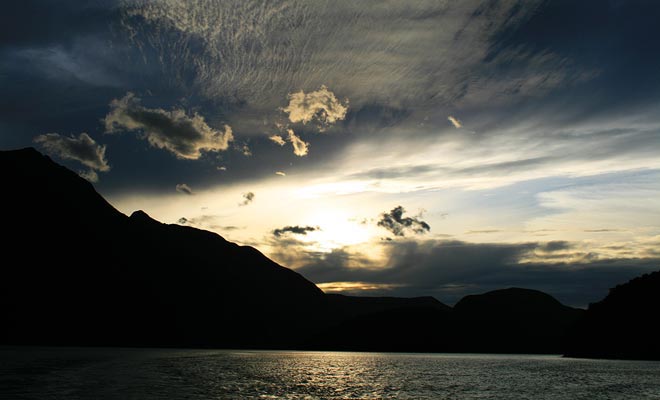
<point x="246" y="49"/>
<point x="455" y="121"/>
<point x="185" y="136"/>
<point x="482" y="231"/>
<point x="90" y="175"/>
<point x="83" y="149"/>
<point x="208" y="222"/>
<point x="183" y="188"/>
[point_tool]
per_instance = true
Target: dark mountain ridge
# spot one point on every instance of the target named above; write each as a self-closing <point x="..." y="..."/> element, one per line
<point x="508" y="318"/>
<point x="85" y="273"/>
<point x="79" y="272"/>
<point x="624" y="325"/>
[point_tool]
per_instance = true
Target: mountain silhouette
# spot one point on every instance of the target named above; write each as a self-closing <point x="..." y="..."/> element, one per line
<point x="85" y="273"/>
<point x="513" y="320"/>
<point x="623" y="325"/>
<point x="79" y="272"/>
<point x="386" y="324"/>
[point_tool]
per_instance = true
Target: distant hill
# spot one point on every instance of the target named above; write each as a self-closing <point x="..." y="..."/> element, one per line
<point x="386" y="324"/>
<point x="624" y="325"/>
<point x="79" y="272"/>
<point x="513" y="321"/>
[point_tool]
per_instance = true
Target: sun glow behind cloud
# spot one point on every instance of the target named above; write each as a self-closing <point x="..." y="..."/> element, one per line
<point x="338" y="228"/>
<point x="354" y="287"/>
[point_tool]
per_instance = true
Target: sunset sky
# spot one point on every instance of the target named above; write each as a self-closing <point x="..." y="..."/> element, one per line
<point x="435" y="148"/>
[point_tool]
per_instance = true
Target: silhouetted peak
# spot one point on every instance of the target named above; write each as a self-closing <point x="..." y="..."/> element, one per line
<point x="142" y="216"/>
<point x="26" y="151"/>
<point x="522" y="293"/>
<point x="510" y="299"/>
<point x="623" y="325"/>
<point x="34" y="177"/>
<point x="641" y="289"/>
<point x="26" y="156"/>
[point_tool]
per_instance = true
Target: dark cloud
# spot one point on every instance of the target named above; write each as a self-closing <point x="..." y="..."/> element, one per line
<point x="395" y="222"/>
<point x="298" y="230"/>
<point x="247" y="199"/>
<point x="183" y="188"/>
<point x="555" y="245"/>
<point x="186" y="136"/>
<point x="450" y="270"/>
<point x="83" y="149"/>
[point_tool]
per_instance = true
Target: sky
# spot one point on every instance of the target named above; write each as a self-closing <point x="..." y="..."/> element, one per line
<point x="428" y="148"/>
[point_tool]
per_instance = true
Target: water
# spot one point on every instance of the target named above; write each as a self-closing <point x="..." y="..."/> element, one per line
<point x="75" y="373"/>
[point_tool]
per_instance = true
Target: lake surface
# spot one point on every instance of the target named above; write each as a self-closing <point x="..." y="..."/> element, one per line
<point x="101" y="373"/>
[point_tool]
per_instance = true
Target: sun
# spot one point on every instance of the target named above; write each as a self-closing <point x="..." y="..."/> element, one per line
<point x="337" y="228"/>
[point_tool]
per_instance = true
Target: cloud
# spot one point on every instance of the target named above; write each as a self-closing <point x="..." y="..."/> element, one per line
<point x="482" y="231"/>
<point x="208" y="222"/>
<point x="394" y="222"/>
<point x="277" y="139"/>
<point x="245" y="149"/>
<point x="455" y="121"/>
<point x="449" y="270"/>
<point x="252" y="51"/>
<point x="300" y="147"/>
<point x="184" y="136"/>
<point x="321" y="105"/>
<point x="280" y="173"/>
<point x="228" y="228"/>
<point x="90" y="175"/>
<point x="247" y="199"/>
<point x="297" y="230"/>
<point x="183" y="188"/>
<point x="82" y="149"/>
<point x="555" y="245"/>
